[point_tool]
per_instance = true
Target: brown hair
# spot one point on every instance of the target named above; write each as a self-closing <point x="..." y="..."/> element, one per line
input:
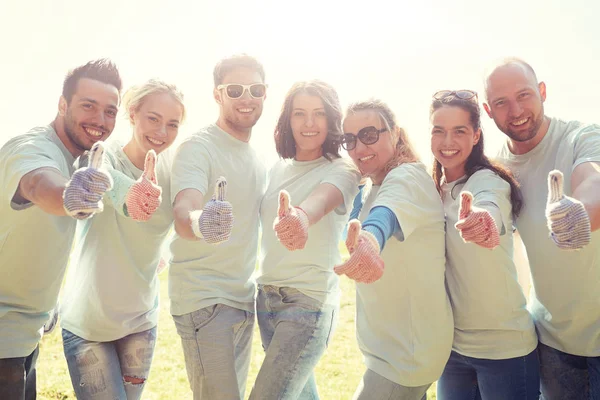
<point x="404" y="152"/>
<point x="477" y="160"/>
<point x="228" y="64"/>
<point x="284" y="139"/>
<point x="102" y="70"/>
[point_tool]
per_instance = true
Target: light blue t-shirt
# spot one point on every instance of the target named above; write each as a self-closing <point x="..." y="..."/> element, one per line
<point x="203" y="274"/>
<point x="565" y="295"/>
<point x="491" y="320"/>
<point x="404" y="320"/>
<point x="112" y="287"/>
<point x="309" y="270"/>
<point x="34" y="245"/>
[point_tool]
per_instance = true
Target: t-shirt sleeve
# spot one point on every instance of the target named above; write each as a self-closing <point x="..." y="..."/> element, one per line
<point x="409" y="192"/>
<point x="191" y="168"/>
<point x="492" y="193"/>
<point x="18" y="158"/>
<point x="587" y="145"/>
<point x="344" y="176"/>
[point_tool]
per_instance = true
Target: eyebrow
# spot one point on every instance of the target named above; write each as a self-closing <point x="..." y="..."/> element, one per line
<point x="90" y="100"/>
<point x="316" y="109"/>
<point x="454" y="127"/>
<point x="160" y="116"/>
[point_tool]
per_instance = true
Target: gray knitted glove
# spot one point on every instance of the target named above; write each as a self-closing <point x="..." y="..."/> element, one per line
<point x="214" y="222"/>
<point x="568" y="222"/>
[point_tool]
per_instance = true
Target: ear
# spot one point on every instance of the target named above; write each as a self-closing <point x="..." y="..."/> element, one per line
<point x="62" y="106"/>
<point x="476" y="136"/>
<point x="542" y="89"/>
<point x="487" y="109"/>
<point x="217" y="96"/>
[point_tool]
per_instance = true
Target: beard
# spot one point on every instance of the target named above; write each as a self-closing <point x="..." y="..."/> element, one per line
<point x="529" y="133"/>
<point x="239" y="124"/>
<point x="70" y="128"/>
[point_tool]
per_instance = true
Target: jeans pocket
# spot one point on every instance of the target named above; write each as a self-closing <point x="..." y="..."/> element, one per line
<point x="203" y="316"/>
<point x="294" y="296"/>
<point x="332" y="326"/>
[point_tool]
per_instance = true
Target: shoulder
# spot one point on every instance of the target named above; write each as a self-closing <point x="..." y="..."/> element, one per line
<point x="486" y="179"/>
<point x="408" y="172"/>
<point x="37" y="141"/>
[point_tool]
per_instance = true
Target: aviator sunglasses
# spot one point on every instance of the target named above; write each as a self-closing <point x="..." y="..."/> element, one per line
<point x="236" y="90"/>
<point x="367" y="135"/>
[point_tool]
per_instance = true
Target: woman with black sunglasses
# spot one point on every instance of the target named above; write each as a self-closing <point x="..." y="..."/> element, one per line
<point x="298" y="292"/>
<point x="494" y="350"/>
<point x="403" y="316"/>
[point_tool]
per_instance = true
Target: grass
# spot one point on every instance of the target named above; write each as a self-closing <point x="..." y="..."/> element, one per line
<point x="338" y="373"/>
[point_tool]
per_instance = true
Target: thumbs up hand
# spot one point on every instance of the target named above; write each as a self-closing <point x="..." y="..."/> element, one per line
<point x="144" y="196"/>
<point x="568" y="221"/>
<point x="365" y="265"/>
<point x="476" y="225"/>
<point x="291" y="224"/>
<point x="83" y="194"/>
<point x="215" y="221"/>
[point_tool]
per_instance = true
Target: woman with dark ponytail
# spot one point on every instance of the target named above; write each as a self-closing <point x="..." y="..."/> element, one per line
<point x="494" y="350"/>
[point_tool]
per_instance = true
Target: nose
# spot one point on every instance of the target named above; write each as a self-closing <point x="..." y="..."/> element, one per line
<point x="99" y="118"/>
<point x="448" y="139"/>
<point x="515" y="109"/>
<point x="162" y="131"/>
<point x="309" y="121"/>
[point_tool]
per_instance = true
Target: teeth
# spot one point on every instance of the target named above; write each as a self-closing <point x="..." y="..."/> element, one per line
<point x="310" y="133"/>
<point x="245" y="110"/>
<point x="158" y="142"/>
<point x="93" y="132"/>
<point x="367" y="158"/>
<point x="520" y="122"/>
<point x="449" y="152"/>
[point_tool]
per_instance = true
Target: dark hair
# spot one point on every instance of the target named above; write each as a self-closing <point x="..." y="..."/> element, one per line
<point x="228" y="64"/>
<point x="284" y="139"/>
<point x="477" y="160"/>
<point x="102" y="70"/>
<point x="404" y="152"/>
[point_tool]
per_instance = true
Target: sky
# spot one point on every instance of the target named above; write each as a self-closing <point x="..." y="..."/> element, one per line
<point x="399" y="51"/>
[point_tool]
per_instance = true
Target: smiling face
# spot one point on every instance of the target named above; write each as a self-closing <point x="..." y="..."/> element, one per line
<point x="90" y="115"/>
<point x="241" y="114"/>
<point x="156" y="122"/>
<point x="309" y="126"/>
<point x="370" y="159"/>
<point x="452" y="139"/>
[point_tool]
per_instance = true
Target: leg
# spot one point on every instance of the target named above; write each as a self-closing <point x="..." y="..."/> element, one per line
<point x="208" y="336"/>
<point x="594" y="372"/>
<point x="302" y="329"/>
<point x="12" y="378"/>
<point x="513" y="378"/>
<point x="375" y="387"/>
<point x="31" y="375"/>
<point x="243" y="332"/>
<point x="309" y="392"/>
<point x="94" y="368"/>
<point x="563" y="376"/>
<point x="458" y="381"/>
<point x="135" y="353"/>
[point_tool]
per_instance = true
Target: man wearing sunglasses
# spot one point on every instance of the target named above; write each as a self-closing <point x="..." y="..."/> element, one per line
<point x="545" y="152"/>
<point x="213" y="254"/>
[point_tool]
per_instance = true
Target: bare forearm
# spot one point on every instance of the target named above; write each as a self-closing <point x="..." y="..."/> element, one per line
<point x="588" y="192"/>
<point x="321" y="201"/>
<point x="44" y="188"/>
<point x="186" y="201"/>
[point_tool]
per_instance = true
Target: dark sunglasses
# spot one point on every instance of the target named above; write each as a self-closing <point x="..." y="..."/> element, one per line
<point x="236" y="90"/>
<point x="461" y="94"/>
<point x="367" y="135"/>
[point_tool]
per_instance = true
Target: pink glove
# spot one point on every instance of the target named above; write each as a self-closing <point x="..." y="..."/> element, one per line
<point x="144" y="196"/>
<point x="568" y="221"/>
<point x="476" y="225"/>
<point x="291" y="224"/>
<point x="83" y="194"/>
<point x="215" y="221"/>
<point x="365" y="264"/>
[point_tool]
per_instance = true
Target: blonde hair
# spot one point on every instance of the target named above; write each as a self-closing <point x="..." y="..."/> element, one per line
<point x="136" y="95"/>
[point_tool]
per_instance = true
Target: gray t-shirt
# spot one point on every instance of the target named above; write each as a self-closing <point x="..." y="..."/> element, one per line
<point x="565" y="296"/>
<point x="34" y="245"/>
<point x="203" y="274"/>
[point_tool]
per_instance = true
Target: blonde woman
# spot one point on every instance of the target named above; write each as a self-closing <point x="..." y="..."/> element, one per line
<point x="110" y="307"/>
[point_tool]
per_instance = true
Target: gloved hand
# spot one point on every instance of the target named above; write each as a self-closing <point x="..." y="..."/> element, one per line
<point x="144" y="196"/>
<point x="291" y="224"/>
<point x="568" y="221"/>
<point x="83" y="194"/>
<point x="214" y="222"/>
<point x="365" y="264"/>
<point x="476" y="225"/>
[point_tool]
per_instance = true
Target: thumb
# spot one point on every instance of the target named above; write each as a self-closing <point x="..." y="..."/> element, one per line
<point x="466" y="204"/>
<point x="284" y="204"/>
<point x="96" y="155"/>
<point x="220" y="189"/>
<point x="354" y="227"/>
<point x="150" y="167"/>
<point x="555" y="186"/>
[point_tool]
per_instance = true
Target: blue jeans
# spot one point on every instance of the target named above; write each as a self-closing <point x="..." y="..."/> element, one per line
<point x="466" y="378"/>
<point x="109" y="370"/>
<point x="295" y="330"/>
<point x="217" y="344"/>
<point x="568" y="377"/>
<point x="18" y="377"/>
<point x="375" y="387"/>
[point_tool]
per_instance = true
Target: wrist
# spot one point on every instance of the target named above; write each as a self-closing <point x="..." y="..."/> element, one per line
<point x="195" y="223"/>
